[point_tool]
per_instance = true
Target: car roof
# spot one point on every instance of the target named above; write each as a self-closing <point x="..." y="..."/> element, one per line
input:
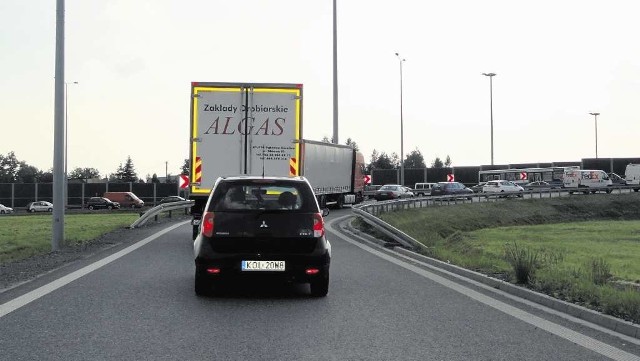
<point x="257" y="177"/>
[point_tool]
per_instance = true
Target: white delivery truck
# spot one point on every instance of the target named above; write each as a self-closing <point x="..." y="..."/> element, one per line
<point x="632" y="176"/>
<point x="584" y="180"/>
<point x="256" y="129"/>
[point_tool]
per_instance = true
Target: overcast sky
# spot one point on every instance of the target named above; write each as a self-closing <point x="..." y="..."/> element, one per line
<point x="556" y="61"/>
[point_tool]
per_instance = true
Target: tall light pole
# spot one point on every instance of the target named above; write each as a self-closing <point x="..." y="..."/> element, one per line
<point x="66" y="140"/>
<point x="491" y="75"/>
<point x="57" y="218"/>
<point x="595" y="115"/>
<point x="335" y="74"/>
<point x="402" y="60"/>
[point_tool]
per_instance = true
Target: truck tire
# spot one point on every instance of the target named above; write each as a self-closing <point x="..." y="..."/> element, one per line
<point x="194" y="233"/>
<point x="322" y="201"/>
<point x="340" y="202"/>
<point x="319" y="287"/>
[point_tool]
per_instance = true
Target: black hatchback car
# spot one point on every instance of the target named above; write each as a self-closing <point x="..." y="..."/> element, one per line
<point x="262" y="228"/>
<point x="101" y="203"/>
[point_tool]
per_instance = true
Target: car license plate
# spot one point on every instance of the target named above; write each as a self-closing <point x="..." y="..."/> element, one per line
<point x="263" y="265"/>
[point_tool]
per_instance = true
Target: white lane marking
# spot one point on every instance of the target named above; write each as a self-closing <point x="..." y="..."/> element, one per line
<point x="553" y="328"/>
<point x="29" y="297"/>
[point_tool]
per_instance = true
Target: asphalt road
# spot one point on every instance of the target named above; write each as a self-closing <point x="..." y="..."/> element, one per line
<point x="142" y="306"/>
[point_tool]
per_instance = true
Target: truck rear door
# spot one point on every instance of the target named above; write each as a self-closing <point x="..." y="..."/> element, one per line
<point x="274" y="126"/>
<point x="243" y="129"/>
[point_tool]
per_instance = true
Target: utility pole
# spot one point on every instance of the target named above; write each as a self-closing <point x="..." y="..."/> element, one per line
<point x="402" y="60"/>
<point x="57" y="237"/>
<point x="491" y="75"/>
<point x="335" y="73"/>
<point x="595" y="115"/>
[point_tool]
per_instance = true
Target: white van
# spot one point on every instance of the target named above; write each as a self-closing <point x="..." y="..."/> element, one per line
<point x="632" y="175"/>
<point x="598" y="180"/>
<point x="422" y="189"/>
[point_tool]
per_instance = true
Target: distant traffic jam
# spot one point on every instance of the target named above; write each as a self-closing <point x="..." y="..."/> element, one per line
<point x="571" y="178"/>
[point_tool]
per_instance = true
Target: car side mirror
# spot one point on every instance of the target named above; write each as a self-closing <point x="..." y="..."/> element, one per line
<point x="325" y="212"/>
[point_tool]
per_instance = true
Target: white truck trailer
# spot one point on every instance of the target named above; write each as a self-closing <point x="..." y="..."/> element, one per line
<point x="336" y="172"/>
<point x="256" y="129"/>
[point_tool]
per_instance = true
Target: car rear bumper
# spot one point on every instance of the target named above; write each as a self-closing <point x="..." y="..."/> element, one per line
<point x="298" y="268"/>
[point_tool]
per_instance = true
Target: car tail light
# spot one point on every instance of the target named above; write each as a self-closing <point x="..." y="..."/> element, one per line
<point x="207" y="224"/>
<point x="312" y="271"/>
<point x="318" y="225"/>
<point x="213" y="270"/>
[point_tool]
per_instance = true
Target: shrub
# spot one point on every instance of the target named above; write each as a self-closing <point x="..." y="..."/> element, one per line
<point x="523" y="260"/>
<point x="621" y="303"/>
<point x="599" y="270"/>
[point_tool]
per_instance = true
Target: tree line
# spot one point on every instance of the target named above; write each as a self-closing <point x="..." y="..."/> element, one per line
<point x="382" y="160"/>
<point x="13" y="170"/>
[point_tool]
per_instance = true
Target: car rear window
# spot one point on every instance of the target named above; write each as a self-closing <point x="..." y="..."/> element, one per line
<point x="257" y="195"/>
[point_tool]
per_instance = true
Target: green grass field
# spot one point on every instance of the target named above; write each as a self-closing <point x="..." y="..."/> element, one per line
<point x="571" y="239"/>
<point x="25" y="236"/>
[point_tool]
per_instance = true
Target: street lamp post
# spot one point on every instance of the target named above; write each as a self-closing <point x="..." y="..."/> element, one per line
<point x="66" y="140"/>
<point x="595" y="115"/>
<point x="491" y="75"/>
<point x="402" y="60"/>
<point x="335" y="73"/>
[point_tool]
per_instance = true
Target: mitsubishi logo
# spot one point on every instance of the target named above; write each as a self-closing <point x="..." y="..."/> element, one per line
<point x="264" y="225"/>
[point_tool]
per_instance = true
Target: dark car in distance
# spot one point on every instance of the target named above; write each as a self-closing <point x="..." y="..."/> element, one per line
<point x="262" y="228"/>
<point x="478" y="187"/>
<point x="538" y="186"/>
<point x="450" y="188"/>
<point x="170" y="199"/>
<point x="101" y="203"/>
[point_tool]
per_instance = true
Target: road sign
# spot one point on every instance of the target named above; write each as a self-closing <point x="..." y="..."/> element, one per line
<point x="523" y="175"/>
<point x="183" y="181"/>
<point x="450" y="177"/>
<point x="367" y="179"/>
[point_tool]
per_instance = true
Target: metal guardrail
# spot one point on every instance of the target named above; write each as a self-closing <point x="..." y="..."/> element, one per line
<point x="387" y="229"/>
<point x="165" y="207"/>
<point x="378" y="208"/>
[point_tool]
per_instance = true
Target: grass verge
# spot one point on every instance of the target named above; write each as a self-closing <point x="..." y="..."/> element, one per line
<point x="25" y="236"/>
<point x="583" y="249"/>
